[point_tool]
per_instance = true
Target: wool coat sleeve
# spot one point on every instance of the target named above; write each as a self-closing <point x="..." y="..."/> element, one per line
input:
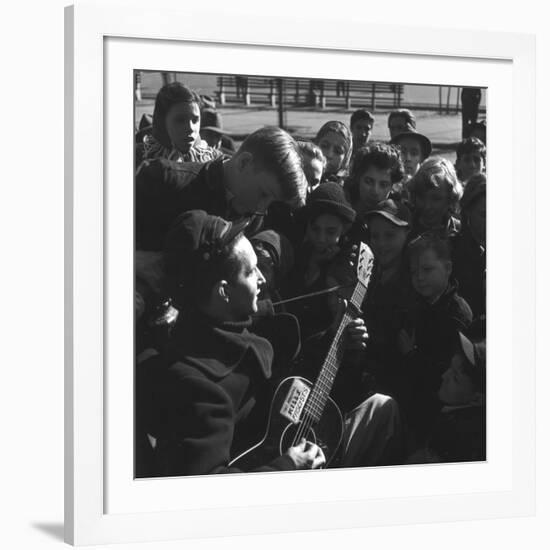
<point x="198" y="429"/>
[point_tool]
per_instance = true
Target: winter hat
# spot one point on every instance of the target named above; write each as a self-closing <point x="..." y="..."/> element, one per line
<point x="279" y="247"/>
<point x="329" y="198"/>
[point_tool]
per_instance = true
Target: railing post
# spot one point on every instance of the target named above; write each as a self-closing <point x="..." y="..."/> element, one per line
<point x="221" y="93"/>
<point x="373" y="99"/>
<point x="348" y="97"/>
<point x="272" y="99"/>
<point x="247" y="93"/>
<point x="322" y="98"/>
<point x="281" y="94"/>
<point x="138" y="85"/>
<point x="297" y="92"/>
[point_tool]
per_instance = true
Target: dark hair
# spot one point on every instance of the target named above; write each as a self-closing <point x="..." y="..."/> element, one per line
<point x="360" y="114"/>
<point x="431" y="240"/>
<point x="480" y="125"/>
<point x="379" y="155"/>
<point x="190" y="279"/>
<point x="168" y="96"/>
<point x="469" y="146"/>
<point x="276" y="151"/>
<point x="403" y="113"/>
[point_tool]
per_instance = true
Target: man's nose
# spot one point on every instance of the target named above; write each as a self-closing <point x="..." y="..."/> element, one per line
<point x="261" y="278"/>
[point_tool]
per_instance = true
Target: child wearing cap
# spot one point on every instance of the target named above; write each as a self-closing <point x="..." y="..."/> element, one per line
<point x="457" y="433"/>
<point x="327" y="217"/>
<point x="435" y="193"/>
<point x="275" y="260"/>
<point x="212" y="131"/>
<point x="336" y="142"/>
<point x="415" y="149"/>
<point x="470" y="159"/>
<point x="390" y="297"/>
<point x="427" y="345"/>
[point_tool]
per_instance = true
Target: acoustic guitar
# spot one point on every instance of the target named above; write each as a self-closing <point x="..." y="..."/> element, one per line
<point x="302" y="409"/>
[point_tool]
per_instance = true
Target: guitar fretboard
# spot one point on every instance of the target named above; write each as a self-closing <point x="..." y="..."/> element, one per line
<point x="323" y="385"/>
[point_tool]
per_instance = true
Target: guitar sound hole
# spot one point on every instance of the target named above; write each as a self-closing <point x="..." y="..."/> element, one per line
<point x="290" y="436"/>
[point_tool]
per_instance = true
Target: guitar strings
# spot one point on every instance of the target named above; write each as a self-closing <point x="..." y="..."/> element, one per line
<point x="316" y="401"/>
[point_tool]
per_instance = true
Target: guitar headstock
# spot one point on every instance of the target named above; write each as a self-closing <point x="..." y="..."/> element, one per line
<point x="365" y="263"/>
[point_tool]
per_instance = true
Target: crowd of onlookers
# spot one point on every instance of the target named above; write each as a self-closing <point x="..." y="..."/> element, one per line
<point x="304" y="206"/>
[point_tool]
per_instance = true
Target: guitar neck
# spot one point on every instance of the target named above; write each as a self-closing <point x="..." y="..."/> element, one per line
<point x="325" y="380"/>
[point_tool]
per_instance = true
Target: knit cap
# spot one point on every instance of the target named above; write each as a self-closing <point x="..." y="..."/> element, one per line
<point x="329" y="198"/>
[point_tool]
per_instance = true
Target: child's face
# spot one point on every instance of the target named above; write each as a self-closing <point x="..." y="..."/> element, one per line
<point x="361" y="131"/>
<point x="456" y="387"/>
<point x="387" y="240"/>
<point x="313" y="169"/>
<point x="374" y="186"/>
<point x="430" y="275"/>
<point x="334" y="148"/>
<point x="411" y="154"/>
<point x="432" y="206"/>
<point x="256" y="187"/>
<point x="323" y="233"/>
<point x="397" y="125"/>
<point x="470" y="164"/>
<point x="183" y="122"/>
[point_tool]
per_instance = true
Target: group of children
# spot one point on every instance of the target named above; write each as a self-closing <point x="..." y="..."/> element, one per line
<point x="420" y="337"/>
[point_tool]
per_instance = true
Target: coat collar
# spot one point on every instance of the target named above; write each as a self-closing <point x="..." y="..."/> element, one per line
<point x="218" y="348"/>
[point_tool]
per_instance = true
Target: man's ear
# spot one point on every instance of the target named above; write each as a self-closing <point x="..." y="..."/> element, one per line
<point x="244" y="160"/>
<point x="222" y="288"/>
<point x="220" y="291"/>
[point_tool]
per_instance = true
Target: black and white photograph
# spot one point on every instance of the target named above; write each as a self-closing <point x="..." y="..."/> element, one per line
<point x="310" y="267"/>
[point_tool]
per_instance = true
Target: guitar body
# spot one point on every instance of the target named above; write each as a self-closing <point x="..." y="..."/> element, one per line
<point x="289" y="421"/>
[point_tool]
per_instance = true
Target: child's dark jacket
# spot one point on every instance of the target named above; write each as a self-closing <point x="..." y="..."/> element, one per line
<point x="469" y="265"/>
<point x="459" y="434"/>
<point x="435" y="328"/>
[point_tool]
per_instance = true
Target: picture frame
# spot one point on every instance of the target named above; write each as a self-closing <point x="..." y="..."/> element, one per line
<point x="103" y="503"/>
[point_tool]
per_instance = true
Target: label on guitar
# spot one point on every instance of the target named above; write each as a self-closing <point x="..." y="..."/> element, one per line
<point x="295" y="400"/>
